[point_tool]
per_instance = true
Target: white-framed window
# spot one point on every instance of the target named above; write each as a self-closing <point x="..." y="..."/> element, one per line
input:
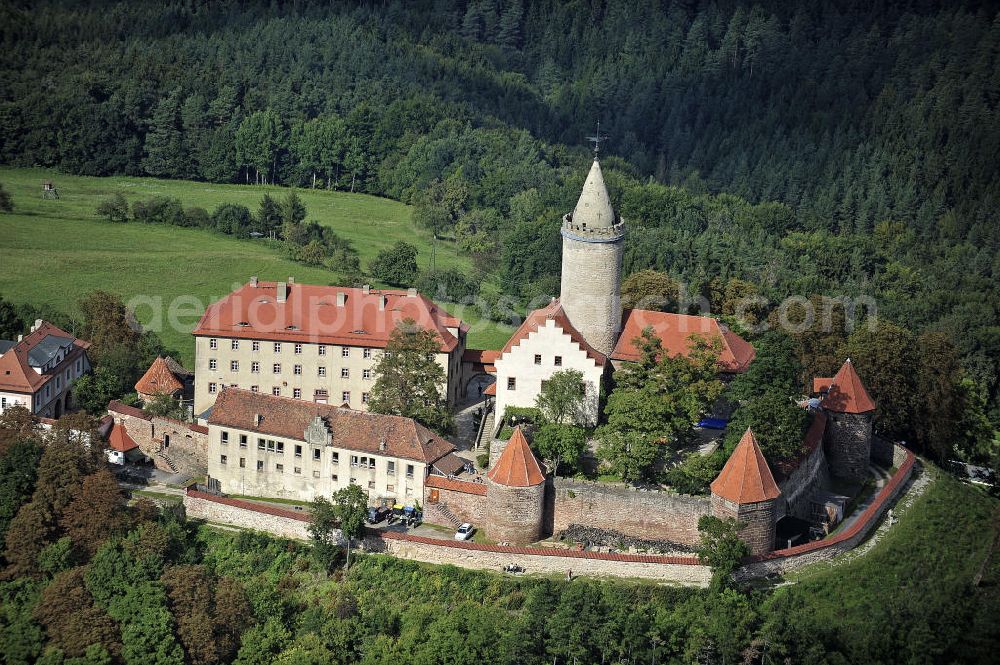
<point x="297" y="370"/>
<point x="367" y="353"/>
<point x="79" y="366"/>
<point x="276" y="391"/>
<point x="409" y="470"/>
<point x="280" y="468"/>
<point x="276" y="368"/>
<point x="260" y="465"/>
<point x="315" y="473"/>
<point x="354" y="460"/>
<point x="297" y="349"/>
<point x="345" y="373"/>
<point x="511" y="383"/>
<point x="224" y="436"/>
<point x="261" y="443"/>
<point x="366" y="374"/>
<point x="321" y="349"/>
<point x="234" y="365"/>
<point x="297" y="393"/>
<point x="345" y="397"/>
<point x="390" y="466"/>
<point x="538" y="359"/>
<point x="334" y="458"/>
<point x="277" y="347"/>
<point x="243" y="440"/>
<point x="333" y="477"/>
<point x="320" y="371"/>
<point x="297" y="469"/>
<point x="345" y="352"/>
<point x="213" y="364"/>
<point x="243" y="462"/>
<point x="390" y="488"/>
<point x="365" y="397"/>
<point x="317" y="454"/>
<point x="234" y="344"/>
<point x="255" y="389"/>
<point x="222" y="459"/>
<point x="298" y="450"/>
<point x="213" y="343"/>
<point x="212" y="388"/>
<point x="255" y="368"/>
<point x="558" y="361"/>
<point x="255" y="345"/>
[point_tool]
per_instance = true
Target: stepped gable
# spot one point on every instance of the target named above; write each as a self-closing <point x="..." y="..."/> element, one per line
<point x="746" y="477"/>
<point x="675" y="331"/>
<point x="159" y="379"/>
<point x="362" y="431"/>
<point x="517" y="465"/>
<point x="537" y="319"/>
<point x="593" y="208"/>
<point x="846" y="393"/>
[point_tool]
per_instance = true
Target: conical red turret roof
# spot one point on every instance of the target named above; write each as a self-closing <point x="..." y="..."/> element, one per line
<point x="159" y="379"/>
<point x="847" y="394"/>
<point x="746" y="477"/>
<point x="517" y="466"/>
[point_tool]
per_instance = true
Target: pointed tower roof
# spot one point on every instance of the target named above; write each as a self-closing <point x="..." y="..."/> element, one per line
<point x="746" y="477"/>
<point x="847" y="393"/>
<point x="120" y="440"/>
<point x="594" y="207"/>
<point x="517" y="466"/>
<point x="159" y="379"/>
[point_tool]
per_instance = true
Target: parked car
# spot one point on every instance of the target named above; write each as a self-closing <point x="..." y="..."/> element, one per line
<point x="377" y="513"/>
<point x="464" y="532"/>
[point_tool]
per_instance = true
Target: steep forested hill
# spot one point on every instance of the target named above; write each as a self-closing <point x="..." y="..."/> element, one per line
<point x="821" y="147"/>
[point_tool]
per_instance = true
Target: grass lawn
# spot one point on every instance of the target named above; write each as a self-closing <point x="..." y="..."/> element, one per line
<point x="52" y="252"/>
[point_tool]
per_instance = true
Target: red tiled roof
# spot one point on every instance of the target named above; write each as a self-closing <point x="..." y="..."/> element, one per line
<point x="114" y="406"/>
<point x="450" y="464"/>
<point x="746" y="478"/>
<point x="351" y="430"/>
<point x="675" y="331"/>
<point x="16" y="373"/>
<point x="536" y="319"/>
<point x="463" y="486"/>
<point x="517" y="465"/>
<point x="120" y="440"/>
<point x="490" y="389"/>
<point x="847" y="394"/>
<point x="310" y="313"/>
<point x="159" y="379"/>
<point x="821" y="385"/>
<point x="480" y="356"/>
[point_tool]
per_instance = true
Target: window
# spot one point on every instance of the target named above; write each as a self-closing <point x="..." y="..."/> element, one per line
<point x="78" y="366"/>
<point x="297" y="393"/>
<point x="366" y="374"/>
<point x="316" y="473"/>
<point x="255" y="389"/>
<point x="212" y="388"/>
<point x="333" y="477"/>
<point x="261" y="444"/>
<point x="297" y="349"/>
<point x="225" y="436"/>
<point x="213" y="364"/>
<point x="409" y="470"/>
<point x="321" y="349"/>
<point x="280" y="468"/>
<point x="222" y="459"/>
<point x="335" y="458"/>
<point x="390" y="488"/>
<point x="316" y="454"/>
<point x="276" y="390"/>
<point x="345" y="373"/>
<point x="297" y="470"/>
<point x="281" y="447"/>
<point x="234" y="365"/>
<point x="243" y="440"/>
<point x="260" y="465"/>
<point x="391" y="467"/>
<point x="558" y="361"/>
<point x="297" y="370"/>
<point x="345" y="397"/>
<point x="365" y="397"/>
<point x="276" y="368"/>
<point x="277" y="347"/>
<point x="213" y="343"/>
<point x="58" y="382"/>
<point x="321" y="371"/>
<point x="298" y="451"/>
<point x="511" y="383"/>
<point x="234" y="344"/>
<point x="538" y="359"/>
<point x="345" y="352"/>
<point x="255" y="345"/>
<point x="371" y="484"/>
<point x="367" y="353"/>
<point x="321" y="396"/>
<point x="243" y="462"/>
<point x="255" y="368"/>
<point x="234" y="385"/>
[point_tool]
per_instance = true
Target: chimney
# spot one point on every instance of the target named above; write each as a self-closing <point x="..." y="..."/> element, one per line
<point x="253" y="281"/>
<point x="282" y="292"/>
<point x="366" y="289"/>
<point x="382" y="300"/>
<point x="38" y="324"/>
<point x="341" y="299"/>
<point x="257" y="420"/>
<point x="381" y="444"/>
<point x="20" y="338"/>
<point x="411" y="292"/>
<point x="291" y="280"/>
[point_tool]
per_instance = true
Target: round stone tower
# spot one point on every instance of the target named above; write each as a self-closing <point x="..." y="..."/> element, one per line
<point x="850" y="411"/>
<point x="515" y="494"/>
<point x="745" y="491"/>
<point x="593" y="241"/>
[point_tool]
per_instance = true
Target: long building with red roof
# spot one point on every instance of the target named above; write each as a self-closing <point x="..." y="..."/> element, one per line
<point x="37" y="371"/>
<point x="310" y="342"/>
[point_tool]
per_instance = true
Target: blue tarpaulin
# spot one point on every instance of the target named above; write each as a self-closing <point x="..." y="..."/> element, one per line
<point x="713" y="423"/>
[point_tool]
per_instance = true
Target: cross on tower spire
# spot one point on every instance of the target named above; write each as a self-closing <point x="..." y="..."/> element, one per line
<point x="596" y="139"/>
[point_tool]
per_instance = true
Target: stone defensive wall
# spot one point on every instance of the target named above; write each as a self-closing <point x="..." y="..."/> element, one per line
<point x="646" y="514"/>
<point x="186" y="444"/>
<point x="798" y="478"/>
<point x="781" y="561"/>
<point x="448" y="499"/>
<point x="247" y="515"/>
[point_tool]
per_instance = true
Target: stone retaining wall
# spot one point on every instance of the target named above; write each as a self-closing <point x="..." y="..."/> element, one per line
<point x="651" y="515"/>
<point x="466" y="504"/>
<point x="246" y="515"/>
<point x="185" y="443"/>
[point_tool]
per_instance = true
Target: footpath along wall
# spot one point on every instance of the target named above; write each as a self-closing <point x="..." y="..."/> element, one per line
<point x="687" y="570"/>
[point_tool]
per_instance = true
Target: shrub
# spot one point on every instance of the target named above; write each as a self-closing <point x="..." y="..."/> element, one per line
<point x="114" y="208"/>
<point x="396" y="266"/>
<point x="232" y="219"/>
<point x="483" y="460"/>
<point x="159" y="210"/>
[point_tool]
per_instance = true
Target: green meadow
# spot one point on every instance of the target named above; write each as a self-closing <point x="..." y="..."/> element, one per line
<point x="52" y="252"/>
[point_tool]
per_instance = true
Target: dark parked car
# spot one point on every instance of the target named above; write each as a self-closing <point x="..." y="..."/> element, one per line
<point x="377" y="513"/>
